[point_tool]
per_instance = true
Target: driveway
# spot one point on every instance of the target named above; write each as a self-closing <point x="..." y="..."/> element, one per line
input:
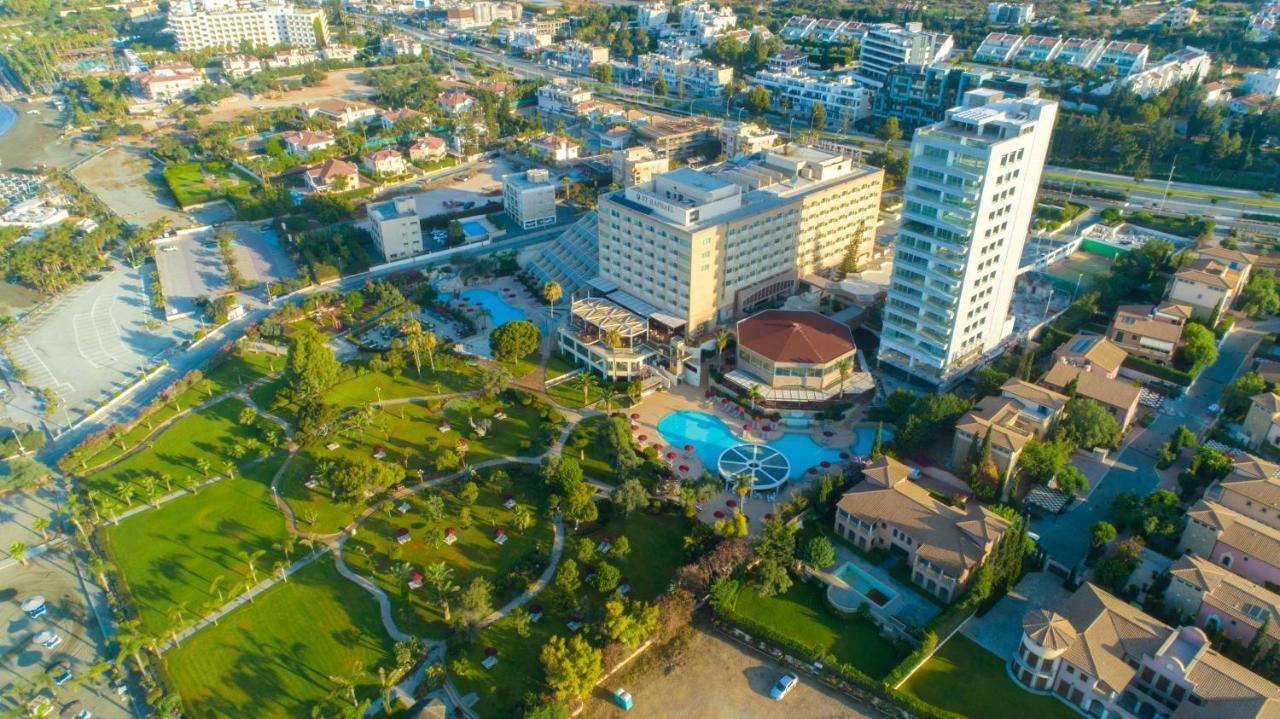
<point x="1000" y="629"/>
<point x="1065" y="536"/>
<point x="718" y="679"/>
<point x="190" y="266"/>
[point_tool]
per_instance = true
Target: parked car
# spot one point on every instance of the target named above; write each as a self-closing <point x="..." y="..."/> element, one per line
<point x="784" y="686"/>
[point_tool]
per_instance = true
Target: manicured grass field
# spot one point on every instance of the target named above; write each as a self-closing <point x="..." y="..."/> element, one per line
<point x="193" y="183"/>
<point x="966" y="679"/>
<point x="275" y="658"/>
<point x="209" y="435"/>
<point x="569" y="394"/>
<point x="802" y="614"/>
<point x="170" y="556"/>
<point x="657" y="550"/>
<point x="233" y="372"/>
<point x="592" y="454"/>
<point x="452" y="375"/>
<point x="315" y="511"/>
<point x="508" y="568"/>
<point x="558" y="365"/>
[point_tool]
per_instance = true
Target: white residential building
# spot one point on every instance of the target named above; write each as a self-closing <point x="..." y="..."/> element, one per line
<point x="1003" y="13"/>
<point x="1264" y="82"/>
<point x="744" y="138"/>
<point x="887" y="46"/>
<point x="168" y="81"/>
<point x="398" y="44"/>
<point x="301" y="143"/>
<point x="1262" y="24"/>
<point x="554" y="148"/>
<point x="698" y="77"/>
<point x="339" y="52"/>
<point x="529" y="198"/>
<point x="969" y="201"/>
<point x="998" y="48"/>
<point x="197" y="28"/>
<point x="235" y="67"/>
<point x="396" y="228"/>
<point x="579" y="56"/>
<point x="341" y="113"/>
<point x="679" y="48"/>
<point x="527" y="38"/>
<point x="1185" y="64"/>
<point x="653" y="15"/>
<point x="637" y="165"/>
<point x="482" y="14"/>
<point x="1125" y="57"/>
<point x="705" y="22"/>
<point x="1079" y="51"/>
<point x="562" y="96"/>
<point x="1178" y="17"/>
<point x="705" y="246"/>
<point x="1036" y="49"/>
<point x="798" y="27"/>
<point x="844" y="99"/>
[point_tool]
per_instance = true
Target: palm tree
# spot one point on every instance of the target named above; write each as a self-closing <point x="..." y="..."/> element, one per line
<point x="176" y="616"/>
<point x="440" y="577"/>
<point x="386" y="684"/>
<point x="845" y="366"/>
<point x="251" y="559"/>
<point x="204" y="466"/>
<point x="215" y="585"/>
<point x="589" y="384"/>
<point x="99" y="567"/>
<point x="742" y="485"/>
<point x="18" y="550"/>
<point x="41" y="525"/>
<point x="131" y="639"/>
<point x="347" y="684"/>
<point x="752" y="395"/>
<point x="126" y="493"/>
<point x="280" y="569"/>
<point x="286" y="546"/>
<point x="722" y="341"/>
<point x="246" y="588"/>
<point x="412" y="331"/>
<point x="552" y="292"/>
<point x="521" y="517"/>
<point x="167" y="481"/>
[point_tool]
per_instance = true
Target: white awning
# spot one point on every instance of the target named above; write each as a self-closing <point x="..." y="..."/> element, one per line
<point x="855" y="384"/>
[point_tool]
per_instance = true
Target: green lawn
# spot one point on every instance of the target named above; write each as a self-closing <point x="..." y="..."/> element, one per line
<point x="593" y="455"/>
<point x="314" y="510"/>
<point x="452" y="375"/>
<point x="276" y="656"/>
<point x="193" y="183"/>
<point x="966" y="679"/>
<point x="509" y="567"/>
<point x="802" y="614"/>
<point x="210" y="435"/>
<point x="235" y="371"/>
<point x="557" y="366"/>
<point x="569" y="393"/>
<point x="523" y="366"/>
<point x="657" y="550"/>
<point x="169" y="556"/>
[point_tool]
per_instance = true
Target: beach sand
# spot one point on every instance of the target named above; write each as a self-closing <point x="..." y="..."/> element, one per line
<point x="36" y="139"/>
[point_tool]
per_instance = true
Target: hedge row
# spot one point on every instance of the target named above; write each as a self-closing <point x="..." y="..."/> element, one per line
<point x="841" y="671"/>
<point x="1159" y="371"/>
<point x="1259" y="217"/>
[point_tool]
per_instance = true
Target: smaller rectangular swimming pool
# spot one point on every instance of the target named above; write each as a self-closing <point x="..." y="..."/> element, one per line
<point x="863" y="586"/>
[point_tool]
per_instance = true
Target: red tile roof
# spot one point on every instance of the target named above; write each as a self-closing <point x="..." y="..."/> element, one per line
<point x="800" y="337"/>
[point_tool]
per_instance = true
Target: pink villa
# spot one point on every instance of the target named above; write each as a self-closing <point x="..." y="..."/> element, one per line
<point x="1237" y="523"/>
<point x="943" y="545"/>
<point x="1215" y="597"/>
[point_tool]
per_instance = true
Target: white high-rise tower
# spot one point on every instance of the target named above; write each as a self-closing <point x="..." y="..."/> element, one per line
<point x="969" y="201"/>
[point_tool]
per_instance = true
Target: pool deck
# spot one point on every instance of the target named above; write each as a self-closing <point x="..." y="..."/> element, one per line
<point x="684" y="397"/>
<point x="511" y="291"/>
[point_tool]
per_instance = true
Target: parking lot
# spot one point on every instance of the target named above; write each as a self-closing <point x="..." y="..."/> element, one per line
<point x="93" y="341"/>
<point x="720" y="679"/>
<point x="259" y="255"/>
<point x="190" y="266"/>
<point x="71" y="620"/>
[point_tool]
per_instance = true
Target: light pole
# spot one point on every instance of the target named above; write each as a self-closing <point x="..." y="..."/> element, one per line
<point x="1168" y="181"/>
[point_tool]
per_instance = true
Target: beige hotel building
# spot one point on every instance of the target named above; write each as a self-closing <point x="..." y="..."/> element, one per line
<point x="707" y="246"/>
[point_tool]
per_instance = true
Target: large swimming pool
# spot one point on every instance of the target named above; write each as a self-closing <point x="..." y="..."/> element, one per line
<point x="499" y="311"/>
<point x="710" y="437"/>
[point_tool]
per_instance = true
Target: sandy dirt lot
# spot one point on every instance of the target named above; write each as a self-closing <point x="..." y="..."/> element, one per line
<point x="718" y="679"/>
<point x="53" y="576"/>
<point x="347" y="83"/>
<point x="130" y="183"/>
<point x="482" y="179"/>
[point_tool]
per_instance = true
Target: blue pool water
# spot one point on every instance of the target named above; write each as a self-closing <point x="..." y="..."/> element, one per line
<point x="872" y="589"/>
<point x="471" y="228"/>
<point x="710" y="436"/>
<point x="500" y="312"/>
<point x="865" y="437"/>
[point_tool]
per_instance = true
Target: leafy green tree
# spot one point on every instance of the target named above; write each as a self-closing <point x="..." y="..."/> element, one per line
<point x="757" y="101"/>
<point x="310" y="367"/>
<point x="1260" y="296"/>
<point x="1072" y="481"/>
<point x="1236" y="396"/>
<point x="475" y="603"/>
<point x="1101" y="534"/>
<point x="1199" y="348"/>
<point x="1085" y="423"/>
<point x="606" y="578"/>
<point x="629" y="622"/>
<point x="820" y="553"/>
<point x="567" y="578"/>
<point x="572" y="667"/>
<point x="1042" y="459"/>
<point x="514" y="340"/>
<point x="469" y="493"/>
<point x="630" y="496"/>
<point x="889" y="131"/>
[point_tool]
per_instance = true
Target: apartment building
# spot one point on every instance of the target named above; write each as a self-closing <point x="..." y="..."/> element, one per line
<point x="1081" y="52"/>
<point x="1211" y="282"/>
<point x="579" y="56"/>
<point x="1217" y="599"/>
<point x="1237" y="523"/>
<point x="705" y="22"/>
<point x="481" y="14"/>
<point x="1107" y="658"/>
<point x="236" y="67"/>
<point x="1189" y="63"/>
<point x="801" y="27"/>
<point x="168" y="81"/>
<point x="887" y="46"/>
<point x="698" y="78"/>
<point x="396" y="228"/>
<point x="399" y="45"/>
<point x="744" y="138"/>
<point x="1036" y="49"/>
<point x="998" y="48"/>
<point x="561" y="96"/>
<point x="1125" y="58"/>
<point x="844" y="99"/>
<point x="301" y="143"/>
<point x="968" y="203"/>
<point x="529" y="198"/>
<point x="637" y="165"/>
<point x="1151" y="331"/>
<point x="788" y="62"/>
<point x="943" y="544"/>
<point x="706" y="246"/>
<point x="921" y="94"/>
<point x="197" y="28"/>
<point x="680" y="138"/>
<point x="653" y="15"/>
<point x="1002" y="48"/>
<point x="340" y="113"/>
<point x="1092" y="363"/>
<point x="1003" y="13"/>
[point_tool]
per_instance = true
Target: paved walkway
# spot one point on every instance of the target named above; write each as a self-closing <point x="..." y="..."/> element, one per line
<point x="557" y="548"/>
<point x="384" y="602"/>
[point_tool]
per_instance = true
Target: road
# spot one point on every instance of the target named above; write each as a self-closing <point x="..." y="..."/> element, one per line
<point x="1065" y="536"/>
